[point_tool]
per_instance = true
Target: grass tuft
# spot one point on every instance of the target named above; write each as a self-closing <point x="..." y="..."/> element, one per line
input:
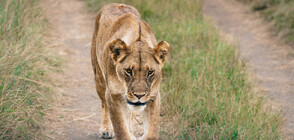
<point x="205" y="91"/>
<point x="23" y="66"/>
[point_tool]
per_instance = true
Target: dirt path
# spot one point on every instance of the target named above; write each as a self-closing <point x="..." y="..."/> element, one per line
<point x="271" y="62"/>
<point x="76" y="113"/>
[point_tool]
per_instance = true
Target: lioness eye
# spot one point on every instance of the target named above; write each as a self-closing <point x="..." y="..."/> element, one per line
<point x="129" y="72"/>
<point x="150" y="73"/>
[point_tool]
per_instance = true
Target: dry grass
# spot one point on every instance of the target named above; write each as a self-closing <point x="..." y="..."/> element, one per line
<point x="205" y="92"/>
<point x="23" y="66"/>
<point x="281" y="12"/>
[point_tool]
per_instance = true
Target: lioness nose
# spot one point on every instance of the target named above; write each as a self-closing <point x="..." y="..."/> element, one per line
<point x="139" y="95"/>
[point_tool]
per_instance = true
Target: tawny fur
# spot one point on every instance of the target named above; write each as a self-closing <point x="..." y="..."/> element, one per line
<point x="127" y="63"/>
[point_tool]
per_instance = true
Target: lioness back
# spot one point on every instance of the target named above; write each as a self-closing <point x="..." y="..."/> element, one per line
<point x="116" y="17"/>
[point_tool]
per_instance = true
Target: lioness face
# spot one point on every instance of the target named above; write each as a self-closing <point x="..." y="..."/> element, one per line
<point x="138" y="67"/>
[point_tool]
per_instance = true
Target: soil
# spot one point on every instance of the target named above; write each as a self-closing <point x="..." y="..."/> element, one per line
<point x="270" y="60"/>
<point x="75" y="113"/>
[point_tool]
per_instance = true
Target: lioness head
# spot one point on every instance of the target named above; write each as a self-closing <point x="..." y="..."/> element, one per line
<point x="138" y="67"/>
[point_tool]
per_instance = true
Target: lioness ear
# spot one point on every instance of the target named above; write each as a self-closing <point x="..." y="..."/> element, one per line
<point x="161" y="50"/>
<point x="118" y="48"/>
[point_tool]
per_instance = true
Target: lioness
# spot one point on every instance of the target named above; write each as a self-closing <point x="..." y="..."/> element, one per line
<point x="127" y="63"/>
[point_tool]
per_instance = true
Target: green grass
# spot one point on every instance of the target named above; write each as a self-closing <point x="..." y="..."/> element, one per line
<point x="281" y="12"/>
<point x="206" y="93"/>
<point x="23" y="66"/>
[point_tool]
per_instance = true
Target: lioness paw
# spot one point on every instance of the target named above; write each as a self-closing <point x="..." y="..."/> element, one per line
<point x="106" y="133"/>
<point x="133" y="137"/>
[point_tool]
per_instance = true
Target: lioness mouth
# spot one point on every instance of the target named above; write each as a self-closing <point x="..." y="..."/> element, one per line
<point x="136" y="104"/>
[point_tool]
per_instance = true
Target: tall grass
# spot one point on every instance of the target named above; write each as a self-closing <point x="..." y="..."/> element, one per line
<point x="23" y="66"/>
<point x="281" y="12"/>
<point x="205" y="92"/>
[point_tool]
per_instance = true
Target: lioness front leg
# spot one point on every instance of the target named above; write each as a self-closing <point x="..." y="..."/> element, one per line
<point x="106" y="130"/>
<point x="119" y="117"/>
<point x="151" y="120"/>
